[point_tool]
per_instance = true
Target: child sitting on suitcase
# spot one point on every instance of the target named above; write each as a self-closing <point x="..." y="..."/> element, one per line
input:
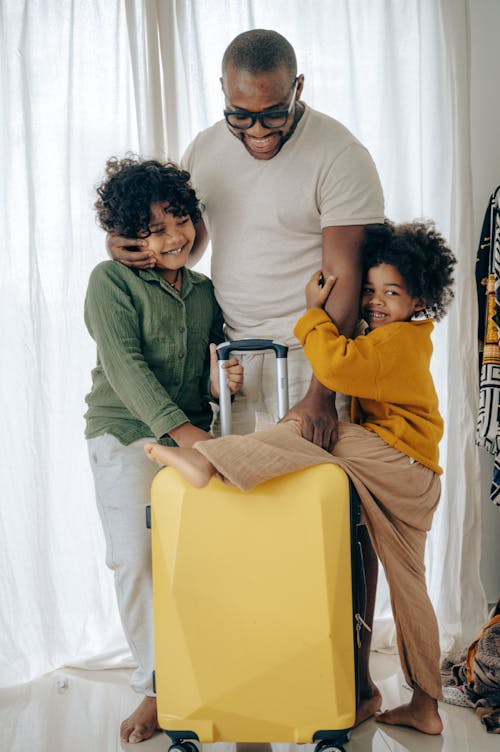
<point x="153" y="380"/>
<point x="390" y="450"/>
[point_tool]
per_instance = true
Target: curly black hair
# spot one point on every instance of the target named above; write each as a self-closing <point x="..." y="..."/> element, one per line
<point x="132" y="184"/>
<point x="421" y="256"/>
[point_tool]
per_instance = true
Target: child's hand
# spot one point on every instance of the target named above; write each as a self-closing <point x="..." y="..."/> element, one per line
<point x="234" y="373"/>
<point x="316" y="293"/>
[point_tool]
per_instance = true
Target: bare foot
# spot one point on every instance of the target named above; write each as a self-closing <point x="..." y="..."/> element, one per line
<point x="420" y="713"/>
<point x="189" y="463"/>
<point x="369" y="704"/>
<point x="141" y="724"/>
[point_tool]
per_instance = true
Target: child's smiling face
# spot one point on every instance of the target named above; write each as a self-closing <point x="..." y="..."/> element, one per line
<point x="385" y="297"/>
<point x="171" y="239"/>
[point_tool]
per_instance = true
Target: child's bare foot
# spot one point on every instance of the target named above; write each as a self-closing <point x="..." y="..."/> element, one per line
<point x="189" y="463"/>
<point x="420" y="713"/>
<point x="369" y="704"/>
<point x="141" y="724"/>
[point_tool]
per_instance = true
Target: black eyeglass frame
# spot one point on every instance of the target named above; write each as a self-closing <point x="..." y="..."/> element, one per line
<point x="260" y="116"/>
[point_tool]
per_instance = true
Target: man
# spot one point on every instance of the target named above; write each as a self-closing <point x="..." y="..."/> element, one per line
<point x="286" y="190"/>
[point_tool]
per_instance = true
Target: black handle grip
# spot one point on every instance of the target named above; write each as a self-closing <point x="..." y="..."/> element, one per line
<point x="225" y="348"/>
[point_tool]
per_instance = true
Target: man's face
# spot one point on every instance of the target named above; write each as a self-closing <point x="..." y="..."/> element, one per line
<point x="261" y="92"/>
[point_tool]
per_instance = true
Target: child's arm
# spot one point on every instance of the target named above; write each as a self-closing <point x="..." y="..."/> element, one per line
<point x="187" y="435"/>
<point x="234" y="373"/>
<point x="318" y="290"/>
<point x="113" y="322"/>
<point x="233" y="369"/>
<point x="357" y="367"/>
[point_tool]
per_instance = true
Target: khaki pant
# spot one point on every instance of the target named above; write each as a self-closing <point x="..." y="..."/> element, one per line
<point x="398" y="497"/>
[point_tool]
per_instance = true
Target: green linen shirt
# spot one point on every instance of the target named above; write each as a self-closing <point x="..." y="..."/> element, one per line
<point x="153" y="363"/>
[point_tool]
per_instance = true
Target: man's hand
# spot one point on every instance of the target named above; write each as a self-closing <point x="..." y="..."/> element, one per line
<point x="317" y="290"/>
<point x="234" y="373"/>
<point x="317" y="415"/>
<point x="130" y="251"/>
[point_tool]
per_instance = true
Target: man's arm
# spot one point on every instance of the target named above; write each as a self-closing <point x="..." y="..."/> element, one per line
<point x="131" y="252"/>
<point x="135" y="254"/>
<point x="342" y="260"/>
<point x="200" y="243"/>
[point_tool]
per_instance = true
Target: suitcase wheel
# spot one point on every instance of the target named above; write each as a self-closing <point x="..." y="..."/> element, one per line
<point x="183" y="747"/>
<point x="325" y="746"/>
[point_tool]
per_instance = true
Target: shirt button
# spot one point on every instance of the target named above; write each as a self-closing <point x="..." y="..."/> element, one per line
<point x="182" y="328"/>
<point x="181" y="354"/>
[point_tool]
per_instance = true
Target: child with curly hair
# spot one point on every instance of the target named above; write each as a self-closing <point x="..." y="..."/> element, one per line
<point x="390" y="450"/>
<point x="154" y="378"/>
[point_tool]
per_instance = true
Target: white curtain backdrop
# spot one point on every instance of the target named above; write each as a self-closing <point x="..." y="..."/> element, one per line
<point x="85" y="80"/>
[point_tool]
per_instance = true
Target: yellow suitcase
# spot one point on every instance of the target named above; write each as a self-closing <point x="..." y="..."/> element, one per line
<point x="253" y="608"/>
<point x="255" y="614"/>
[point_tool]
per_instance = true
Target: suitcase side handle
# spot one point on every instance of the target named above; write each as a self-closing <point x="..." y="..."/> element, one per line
<point x="281" y="352"/>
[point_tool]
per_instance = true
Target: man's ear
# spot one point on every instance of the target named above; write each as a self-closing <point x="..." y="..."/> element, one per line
<point x="300" y="86"/>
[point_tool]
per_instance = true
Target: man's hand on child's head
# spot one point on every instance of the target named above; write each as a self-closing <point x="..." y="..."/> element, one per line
<point x="318" y="289"/>
<point x="234" y="373"/>
<point x="131" y="252"/>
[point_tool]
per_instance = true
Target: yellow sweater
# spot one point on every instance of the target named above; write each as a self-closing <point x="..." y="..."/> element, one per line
<point x="387" y="372"/>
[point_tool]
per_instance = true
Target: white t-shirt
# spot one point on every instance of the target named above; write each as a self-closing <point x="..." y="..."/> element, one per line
<point x="265" y="217"/>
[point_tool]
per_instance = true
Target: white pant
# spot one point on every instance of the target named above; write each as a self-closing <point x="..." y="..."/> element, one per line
<point x="122" y="477"/>
<point x="255" y="407"/>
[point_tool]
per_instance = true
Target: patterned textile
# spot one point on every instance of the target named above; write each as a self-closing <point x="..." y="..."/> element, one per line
<point x="488" y="288"/>
<point x="473" y="678"/>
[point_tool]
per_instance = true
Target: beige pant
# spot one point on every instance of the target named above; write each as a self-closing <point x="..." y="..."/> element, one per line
<point x="398" y="497"/>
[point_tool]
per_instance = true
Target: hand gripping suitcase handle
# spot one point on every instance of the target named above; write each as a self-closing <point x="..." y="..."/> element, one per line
<point x="223" y="352"/>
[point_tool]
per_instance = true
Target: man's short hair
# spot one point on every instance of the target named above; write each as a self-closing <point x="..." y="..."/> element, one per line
<point x="260" y="51"/>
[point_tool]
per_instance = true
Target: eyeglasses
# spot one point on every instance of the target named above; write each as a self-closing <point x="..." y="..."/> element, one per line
<point x="243" y="119"/>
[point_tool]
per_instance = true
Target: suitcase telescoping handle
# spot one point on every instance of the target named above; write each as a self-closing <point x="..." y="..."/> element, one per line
<point x="223" y="352"/>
